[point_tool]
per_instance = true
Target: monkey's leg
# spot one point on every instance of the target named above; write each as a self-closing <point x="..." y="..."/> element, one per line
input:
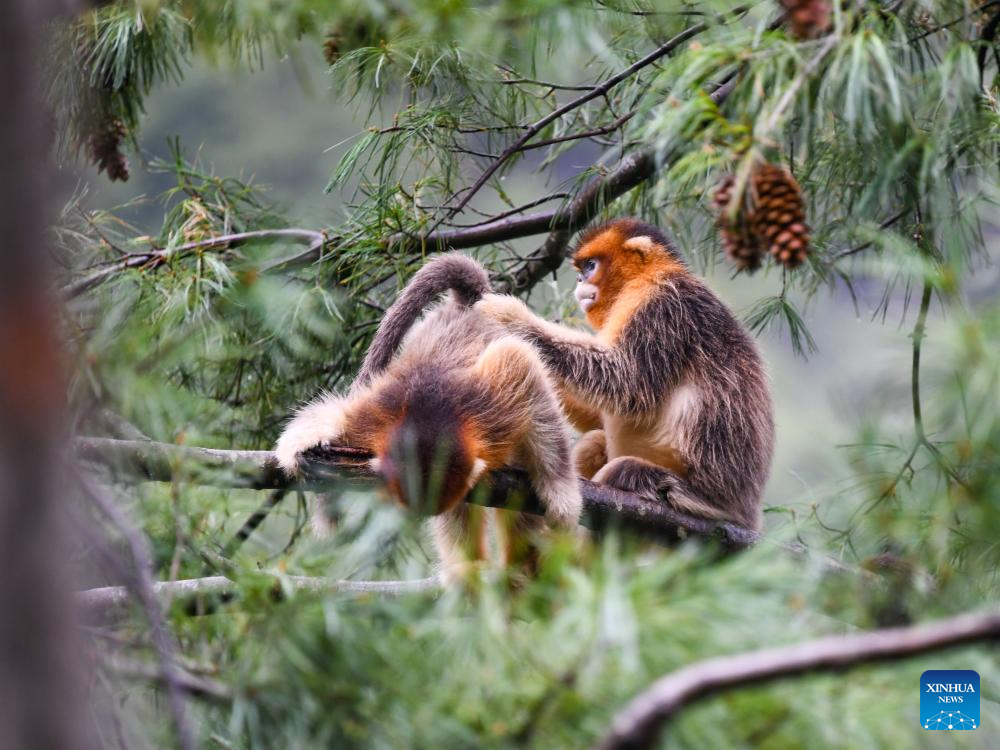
<point x="583" y="417"/>
<point x="515" y="373"/>
<point x="519" y="535"/>
<point x="646" y="479"/>
<point x="590" y="453"/>
<point x="460" y="539"/>
<point x="320" y="422"/>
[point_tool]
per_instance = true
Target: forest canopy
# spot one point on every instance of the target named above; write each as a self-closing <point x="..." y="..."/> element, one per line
<point x="202" y="316"/>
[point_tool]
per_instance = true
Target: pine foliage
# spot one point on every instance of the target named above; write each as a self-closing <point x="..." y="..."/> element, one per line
<point x="887" y="118"/>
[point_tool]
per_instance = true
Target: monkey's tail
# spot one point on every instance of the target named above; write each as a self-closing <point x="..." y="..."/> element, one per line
<point x="454" y="272"/>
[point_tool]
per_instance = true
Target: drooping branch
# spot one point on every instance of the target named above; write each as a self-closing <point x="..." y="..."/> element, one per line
<point x="638" y="725"/>
<point x="510" y="488"/>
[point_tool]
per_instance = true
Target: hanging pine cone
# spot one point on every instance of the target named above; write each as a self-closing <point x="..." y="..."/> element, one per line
<point x="104" y="147"/>
<point x="742" y="246"/>
<point x="807" y="19"/>
<point x="331" y="47"/>
<point x="779" y="215"/>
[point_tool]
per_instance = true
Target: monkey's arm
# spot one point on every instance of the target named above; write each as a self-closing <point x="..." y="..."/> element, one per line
<point x="356" y="421"/>
<point x="628" y="377"/>
<point x="321" y="421"/>
<point x="532" y="422"/>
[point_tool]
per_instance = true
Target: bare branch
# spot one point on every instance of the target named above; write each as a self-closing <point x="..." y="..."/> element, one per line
<point x="600" y="90"/>
<point x="141" y="584"/>
<point x="510" y="488"/>
<point x="865" y="245"/>
<point x="639" y="724"/>
<point x="631" y="171"/>
<point x="194" y="685"/>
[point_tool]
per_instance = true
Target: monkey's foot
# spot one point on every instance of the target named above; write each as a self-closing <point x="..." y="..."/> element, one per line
<point x="590" y="453"/>
<point x="563" y="503"/>
<point x="635" y="475"/>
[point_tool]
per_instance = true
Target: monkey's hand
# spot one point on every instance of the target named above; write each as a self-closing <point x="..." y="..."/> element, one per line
<point x="318" y="423"/>
<point x="510" y="311"/>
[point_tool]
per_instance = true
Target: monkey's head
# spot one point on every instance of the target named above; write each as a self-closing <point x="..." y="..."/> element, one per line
<point x="619" y="254"/>
<point x="429" y="460"/>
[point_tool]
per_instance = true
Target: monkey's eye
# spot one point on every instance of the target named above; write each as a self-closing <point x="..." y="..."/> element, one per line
<point x="587" y="269"/>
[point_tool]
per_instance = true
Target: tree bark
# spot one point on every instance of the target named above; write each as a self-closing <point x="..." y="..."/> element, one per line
<point x="638" y="725"/>
<point x="604" y="507"/>
<point x="42" y="703"/>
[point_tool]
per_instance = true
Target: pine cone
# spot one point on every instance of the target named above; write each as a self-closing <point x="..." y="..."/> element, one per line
<point x="807" y="19"/>
<point x="331" y="47"/>
<point x="104" y="147"/>
<point x="742" y="246"/>
<point x="779" y="215"/>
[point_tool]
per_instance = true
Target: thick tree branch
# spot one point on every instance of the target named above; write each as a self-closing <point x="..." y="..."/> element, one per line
<point x="639" y="724"/>
<point x="603" y="506"/>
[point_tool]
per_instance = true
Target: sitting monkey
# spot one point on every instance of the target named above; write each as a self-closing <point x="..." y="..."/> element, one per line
<point x="443" y="401"/>
<point x="671" y="388"/>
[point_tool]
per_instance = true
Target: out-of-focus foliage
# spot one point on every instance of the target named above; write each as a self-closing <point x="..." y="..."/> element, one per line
<point x="890" y="124"/>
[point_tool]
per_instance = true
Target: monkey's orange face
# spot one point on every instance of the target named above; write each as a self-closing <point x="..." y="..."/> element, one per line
<point x="614" y="265"/>
<point x="599" y="277"/>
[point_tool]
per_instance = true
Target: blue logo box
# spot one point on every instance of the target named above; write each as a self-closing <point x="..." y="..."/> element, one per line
<point x="949" y="699"/>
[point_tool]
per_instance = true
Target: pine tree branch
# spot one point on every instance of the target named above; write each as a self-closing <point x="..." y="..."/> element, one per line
<point x="631" y="172"/>
<point x="140" y="583"/>
<point x="598" y="91"/>
<point x="106" y="602"/>
<point x="194" y="685"/>
<point x="638" y="725"/>
<point x="510" y="488"/>
<point x="157" y="257"/>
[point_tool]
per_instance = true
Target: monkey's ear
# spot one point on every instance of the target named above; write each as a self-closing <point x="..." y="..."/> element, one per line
<point x="641" y="245"/>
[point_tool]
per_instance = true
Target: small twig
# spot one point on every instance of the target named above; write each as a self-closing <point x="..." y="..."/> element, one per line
<point x="865" y="245"/>
<point x="254" y="521"/>
<point x="919" y="330"/>
<point x="514" y="211"/>
<point x="594" y="93"/>
<point x="953" y="22"/>
<point x="638" y="726"/>
<point x="195" y="686"/>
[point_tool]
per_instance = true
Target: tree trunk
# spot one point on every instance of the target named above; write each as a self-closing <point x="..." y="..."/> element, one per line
<point x="41" y="700"/>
